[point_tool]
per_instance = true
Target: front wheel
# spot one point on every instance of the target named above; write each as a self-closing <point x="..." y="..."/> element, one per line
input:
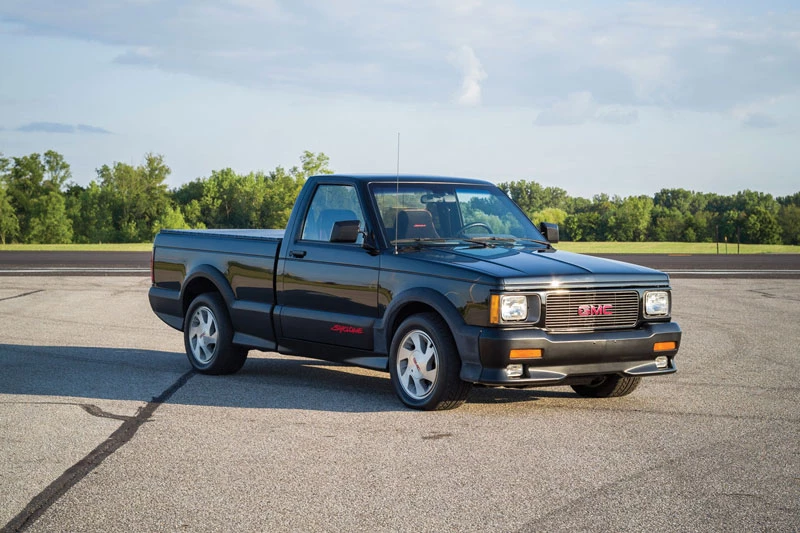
<point x="208" y="337"/>
<point x="608" y="387"/>
<point x="424" y="365"/>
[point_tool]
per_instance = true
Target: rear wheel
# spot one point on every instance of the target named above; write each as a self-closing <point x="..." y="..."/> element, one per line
<point x="208" y="337"/>
<point x="424" y="364"/>
<point x="608" y="387"/>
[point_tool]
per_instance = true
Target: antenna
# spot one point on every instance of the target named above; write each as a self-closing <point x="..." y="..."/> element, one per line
<point x="397" y="196"/>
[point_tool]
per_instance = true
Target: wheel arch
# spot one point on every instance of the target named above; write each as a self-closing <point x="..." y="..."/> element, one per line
<point x="422" y="300"/>
<point x="415" y="301"/>
<point x="203" y="279"/>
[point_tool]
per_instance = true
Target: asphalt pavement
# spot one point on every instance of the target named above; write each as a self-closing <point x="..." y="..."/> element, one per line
<point x="103" y="427"/>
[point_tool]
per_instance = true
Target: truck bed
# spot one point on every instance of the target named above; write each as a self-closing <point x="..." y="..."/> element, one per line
<point x="269" y="234"/>
<point x="239" y="263"/>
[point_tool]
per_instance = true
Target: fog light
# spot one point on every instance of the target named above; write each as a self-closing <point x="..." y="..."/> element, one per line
<point x="514" y="371"/>
<point x="661" y="361"/>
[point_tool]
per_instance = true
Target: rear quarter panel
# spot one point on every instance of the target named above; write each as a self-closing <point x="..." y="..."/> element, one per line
<point x="240" y="265"/>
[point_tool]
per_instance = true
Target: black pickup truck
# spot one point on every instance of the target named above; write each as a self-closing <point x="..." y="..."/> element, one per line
<point x="442" y="282"/>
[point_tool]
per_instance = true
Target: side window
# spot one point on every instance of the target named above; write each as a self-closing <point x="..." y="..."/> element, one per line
<point x="331" y="203"/>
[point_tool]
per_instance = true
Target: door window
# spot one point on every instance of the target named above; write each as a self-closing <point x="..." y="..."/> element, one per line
<point x="331" y="204"/>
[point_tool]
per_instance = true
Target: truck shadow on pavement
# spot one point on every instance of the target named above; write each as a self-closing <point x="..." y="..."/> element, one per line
<point x="266" y="381"/>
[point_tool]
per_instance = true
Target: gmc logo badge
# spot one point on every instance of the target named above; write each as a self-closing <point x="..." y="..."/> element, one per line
<point x="591" y="310"/>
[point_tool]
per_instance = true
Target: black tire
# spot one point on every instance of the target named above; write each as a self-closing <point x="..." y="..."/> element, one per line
<point x="208" y="336"/>
<point x="435" y="385"/>
<point x="608" y="387"/>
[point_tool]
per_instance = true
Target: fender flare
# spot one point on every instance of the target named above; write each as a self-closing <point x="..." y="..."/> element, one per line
<point x="211" y="274"/>
<point x="465" y="336"/>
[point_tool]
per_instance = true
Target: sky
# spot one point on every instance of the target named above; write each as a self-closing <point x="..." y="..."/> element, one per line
<point x="594" y="97"/>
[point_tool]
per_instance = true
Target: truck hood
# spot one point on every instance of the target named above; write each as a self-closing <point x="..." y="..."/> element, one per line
<point x="520" y="266"/>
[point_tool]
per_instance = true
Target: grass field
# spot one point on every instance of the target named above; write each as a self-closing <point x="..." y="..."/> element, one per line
<point x="124" y="247"/>
<point x="691" y="248"/>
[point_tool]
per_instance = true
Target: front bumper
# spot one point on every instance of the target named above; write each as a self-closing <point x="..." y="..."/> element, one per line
<point x="570" y="356"/>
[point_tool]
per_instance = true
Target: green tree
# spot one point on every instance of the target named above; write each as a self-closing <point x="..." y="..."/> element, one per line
<point x="667" y="224"/>
<point x="189" y="197"/>
<point x="57" y="171"/>
<point x="761" y="227"/>
<point x="550" y="214"/>
<point x="790" y="223"/>
<point x="231" y="200"/>
<point x="794" y="200"/>
<point x="90" y="211"/>
<point x="630" y="220"/>
<point x="280" y="190"/>
<point x="9" y="224"/>
<point x="49" y="221"/>
<point x="532" y="197"/>
<point x="226" y="199"/>
<point x="171" y="219"/>
<point x="28" y="179"/>
<point x="311" y="164"/>
<point x="24" y="182"/>
<point x="137" y="196"/>
<point x="584" y="226"/>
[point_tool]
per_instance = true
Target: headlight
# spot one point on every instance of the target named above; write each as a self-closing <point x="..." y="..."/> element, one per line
<point x="513" y="308"/>
<point x="656" y="303"/>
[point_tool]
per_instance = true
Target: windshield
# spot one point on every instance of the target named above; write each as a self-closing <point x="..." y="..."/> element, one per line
<point x="449" y="211"/>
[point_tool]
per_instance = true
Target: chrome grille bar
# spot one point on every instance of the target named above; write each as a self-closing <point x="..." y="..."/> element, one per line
<point x="591" y="310"/>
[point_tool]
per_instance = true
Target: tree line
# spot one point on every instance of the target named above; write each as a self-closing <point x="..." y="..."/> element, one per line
<point x="674" y="215"/>
<point x="125" y="203"/>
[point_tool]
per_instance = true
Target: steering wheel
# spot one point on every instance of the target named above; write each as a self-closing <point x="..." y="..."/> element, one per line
<point x="461" y="232"/>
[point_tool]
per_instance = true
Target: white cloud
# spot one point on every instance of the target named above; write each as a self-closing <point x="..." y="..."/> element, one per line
<point x="680" y="57"/>
<point x="581" y="108"/>
<point x="612" y="114"/>
<point x="759" y="120"/>
<point x="759" y="114"/>
<point x="472" y="70"/>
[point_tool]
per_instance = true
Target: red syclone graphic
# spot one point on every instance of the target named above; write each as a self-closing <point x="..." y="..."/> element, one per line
<point x="339" y="328"/>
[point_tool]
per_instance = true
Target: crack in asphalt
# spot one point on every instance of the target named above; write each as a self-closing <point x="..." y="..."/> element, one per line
<point x="21" y="295"/>
<point x="766" y="294"/>
<point x="99" y="413"/>
<point x="53" y="492"/>
<point x="90" y="408"/>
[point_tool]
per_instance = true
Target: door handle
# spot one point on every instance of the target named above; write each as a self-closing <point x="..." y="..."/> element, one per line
<point x="298" y="253"/>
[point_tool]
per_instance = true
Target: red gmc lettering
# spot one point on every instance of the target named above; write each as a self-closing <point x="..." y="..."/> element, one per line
<point x="591" y="310"/>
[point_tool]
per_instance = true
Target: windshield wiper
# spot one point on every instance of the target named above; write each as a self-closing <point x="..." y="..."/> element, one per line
<point x="486" y="242"/>
<point x="419" y="241"/>
<point x="536" y="241"/>
<point x="433" y="241"/>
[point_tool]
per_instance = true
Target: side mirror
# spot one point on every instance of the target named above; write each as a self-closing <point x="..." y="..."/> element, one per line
<point x="345" y="231"/>
<point x="550" y="232"/>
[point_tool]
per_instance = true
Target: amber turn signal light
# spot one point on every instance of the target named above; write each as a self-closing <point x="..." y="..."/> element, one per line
<point x="526" y="354"/>
<point x="494" y="309"/>
<point x="664" y="346"/>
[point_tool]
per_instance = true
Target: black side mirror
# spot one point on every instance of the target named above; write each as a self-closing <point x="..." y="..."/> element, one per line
<point x="550" y="232"/>
<point x="345" y="231"/>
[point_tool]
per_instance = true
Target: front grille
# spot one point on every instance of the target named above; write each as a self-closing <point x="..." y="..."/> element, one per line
<point x="563" y="314"/>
